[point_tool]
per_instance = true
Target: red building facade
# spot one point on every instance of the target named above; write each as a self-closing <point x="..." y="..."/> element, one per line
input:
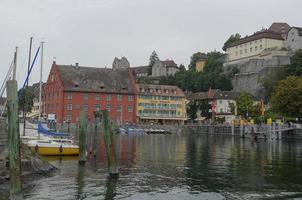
<point x="71" y="89"/>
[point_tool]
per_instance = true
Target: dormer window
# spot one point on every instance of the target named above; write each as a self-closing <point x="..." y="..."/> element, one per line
<point x="124" y="88"/>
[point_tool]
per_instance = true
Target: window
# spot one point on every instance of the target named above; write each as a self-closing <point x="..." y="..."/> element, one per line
<point x="245" y="50"/>
<point x="97" y="97"/>
<point x="108" y="97"/>
<point x="251" y="49"/>
<point x="293" y="40"/>
<point x="108" y="107"/>
<point x="85" y="107"/>
<point x="68" y="118"/>
<point x="119" y="97"/>
<point x="130" y="108"/>
<point x="245" y="44"/>
<point x="255" y="41"/>
<point x="130" y="98"/>
<point x="69" y="95"/>
<point x="119" y="108"/>
<point x="260" y="40"/>
<point x="85" y="96"/>
<point x="69" y="106"/>
<point x="96" y="107"/>
<point x="256" y="48"/>
<point x="260" y="46"/>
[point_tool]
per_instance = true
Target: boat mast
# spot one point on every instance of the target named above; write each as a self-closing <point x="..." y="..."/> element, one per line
<point x="25" y="99"/>
<point x="40" y="90"/>
<point x="15" y="64"/>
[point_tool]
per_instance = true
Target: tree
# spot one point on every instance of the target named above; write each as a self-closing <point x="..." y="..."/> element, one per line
<point x="153" y="58"/>
<point x="182" y="67"/>
<point x="244" y="104"/>
<point x="287" y="97"/>
<point x="194" y="58"/>
<point x="26" y="99"/>
<point x="270" y="81"/>
<point x="232" y="39"/>
<point x="295" y="68"/>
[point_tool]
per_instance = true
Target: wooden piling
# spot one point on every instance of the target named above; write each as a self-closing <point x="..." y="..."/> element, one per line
<point x="82" y="137"/>
<point x="110" y="145"/>
<point x="13" y="137"/>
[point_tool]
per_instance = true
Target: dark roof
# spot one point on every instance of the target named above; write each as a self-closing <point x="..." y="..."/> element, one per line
<point x="89" y="79"/>
<point x="141" y="69"/>
<point x="279" y="27"/>
<point x="218" y="94"/>
<point x="159" y="90"/>
<point x="258" y="35"/>
<point x="169" y="63"/>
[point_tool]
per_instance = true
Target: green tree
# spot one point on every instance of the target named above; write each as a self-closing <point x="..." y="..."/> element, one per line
<point x="182" y="67"/>
<point x="153" y="58"/>
<point x="244" y="104"/>
<point x="287" y="97"/>
<point x="295" y="68"/>
<point x="26" y="99"/>
<point x="232" y="39"/>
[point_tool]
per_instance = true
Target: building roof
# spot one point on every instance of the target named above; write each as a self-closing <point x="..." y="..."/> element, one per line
<point x="279" y="27"/>
<point x="259" y="35"/>
<point x="141" y="69"/>
<point x="214" y="94"/>
<point x="169" y="63"/>
<point x="159" y="90"/>
<point x="89" y="79"/>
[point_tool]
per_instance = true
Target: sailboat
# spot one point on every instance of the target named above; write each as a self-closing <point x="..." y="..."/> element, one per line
<point x="51" y="143"/>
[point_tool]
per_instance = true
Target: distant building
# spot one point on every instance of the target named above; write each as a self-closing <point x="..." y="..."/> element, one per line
<point x="164" y="68"/>
<point x="160" y="104"/>
<point x="294" y="39"/>
<point x="159" y="68"/>
<point x="120" y="63"/>
<point x="252" y="46"/>
<point x="71" y="89"/>
<point x="219" y="103"/>
<point x="142" y="71"/>
<point x="200" y="64"/>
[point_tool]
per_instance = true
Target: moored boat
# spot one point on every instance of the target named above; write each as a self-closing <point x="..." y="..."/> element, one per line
<point x="54" y="147"/>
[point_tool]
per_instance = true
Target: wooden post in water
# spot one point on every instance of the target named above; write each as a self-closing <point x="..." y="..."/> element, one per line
<point x="233" y="127"/>
<point x="13" y="137"/>
<point x="82" y="137"/>
<point x="279" y="132"/>
<point x="110" y="145"/>
<point x="96" y="135"/>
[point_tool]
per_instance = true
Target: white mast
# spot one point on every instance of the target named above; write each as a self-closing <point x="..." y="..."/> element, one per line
<point x="40" y="89"/>
<point x="15" y="64"/>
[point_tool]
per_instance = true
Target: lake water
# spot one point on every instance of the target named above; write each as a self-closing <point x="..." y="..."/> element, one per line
<point x="186" y="166"/>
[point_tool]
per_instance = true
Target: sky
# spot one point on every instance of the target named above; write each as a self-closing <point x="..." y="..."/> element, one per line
<point x="93" y="32"/>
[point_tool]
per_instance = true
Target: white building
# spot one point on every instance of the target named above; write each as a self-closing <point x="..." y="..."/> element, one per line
<point x="164" y="68"/>
<point x="252" y="46"/>
<point x="120" y="63"/>
<point x="294" y="39"/>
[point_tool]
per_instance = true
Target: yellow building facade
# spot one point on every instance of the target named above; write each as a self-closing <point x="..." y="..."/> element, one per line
<point x="200" y="65"/>
<point x="160" y="104"/>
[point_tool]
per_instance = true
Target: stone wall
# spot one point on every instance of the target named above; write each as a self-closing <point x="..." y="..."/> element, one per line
<point x="253" y="71"/>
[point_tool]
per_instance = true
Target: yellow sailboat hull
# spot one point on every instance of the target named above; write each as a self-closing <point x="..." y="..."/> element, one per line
<point x="56" y="151"/>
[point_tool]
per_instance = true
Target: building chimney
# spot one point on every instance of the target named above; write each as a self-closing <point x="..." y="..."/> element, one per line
<point x="76" y="64"/>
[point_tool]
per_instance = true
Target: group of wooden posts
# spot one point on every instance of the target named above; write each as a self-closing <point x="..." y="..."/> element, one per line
<point x="109" y="139"/>
<point x="14" y="139"/>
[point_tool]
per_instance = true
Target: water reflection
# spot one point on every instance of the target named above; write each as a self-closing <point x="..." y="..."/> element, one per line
<point x="182" y="167"/>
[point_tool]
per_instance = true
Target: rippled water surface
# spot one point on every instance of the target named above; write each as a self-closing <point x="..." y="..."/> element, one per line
<point x="183" y="166"/>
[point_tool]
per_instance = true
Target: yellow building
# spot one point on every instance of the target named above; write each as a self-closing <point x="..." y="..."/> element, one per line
<point x="200" y="65"/>
<point x="160" y="104"/>
<point x="251" y="46"/>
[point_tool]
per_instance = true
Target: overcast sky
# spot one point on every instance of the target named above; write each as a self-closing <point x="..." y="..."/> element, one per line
<point x="93" y="32"/>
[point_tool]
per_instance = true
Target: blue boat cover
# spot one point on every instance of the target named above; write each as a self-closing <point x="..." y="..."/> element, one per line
<point x="46" y="131"/>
